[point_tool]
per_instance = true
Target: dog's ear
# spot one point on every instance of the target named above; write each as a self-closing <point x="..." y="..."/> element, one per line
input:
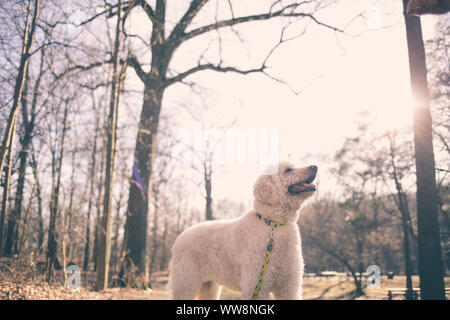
<point x="264" y="190"/>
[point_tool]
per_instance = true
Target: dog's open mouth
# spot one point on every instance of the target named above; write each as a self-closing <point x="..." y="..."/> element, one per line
<point x="304" y="186"/>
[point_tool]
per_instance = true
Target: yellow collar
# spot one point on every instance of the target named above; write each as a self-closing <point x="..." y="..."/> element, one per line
<point x="270" y="222"/>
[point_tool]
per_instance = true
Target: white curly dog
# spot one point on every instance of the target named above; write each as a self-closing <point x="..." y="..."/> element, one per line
<point x="232" y="252"/>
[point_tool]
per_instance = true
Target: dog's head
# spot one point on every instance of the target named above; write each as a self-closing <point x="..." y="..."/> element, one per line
<point x="288" y="185"/>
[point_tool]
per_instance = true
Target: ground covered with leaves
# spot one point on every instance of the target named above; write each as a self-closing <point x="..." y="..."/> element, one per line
<point x="27" y="283"/>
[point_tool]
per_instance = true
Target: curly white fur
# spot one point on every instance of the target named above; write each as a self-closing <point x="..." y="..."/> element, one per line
<point x="231" y="252"/>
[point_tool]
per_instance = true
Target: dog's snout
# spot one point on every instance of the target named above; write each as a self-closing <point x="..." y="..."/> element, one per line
<point x="313" y="168"/>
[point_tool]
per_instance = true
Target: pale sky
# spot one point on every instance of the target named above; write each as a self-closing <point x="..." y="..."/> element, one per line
<point x="339" y="77"/>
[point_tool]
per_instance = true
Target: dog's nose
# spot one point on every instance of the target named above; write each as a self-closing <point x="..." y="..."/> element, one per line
<point x="313" y="168"/>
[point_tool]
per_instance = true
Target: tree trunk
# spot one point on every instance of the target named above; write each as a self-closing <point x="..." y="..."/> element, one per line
<point x="63" y="244"/>
<point x="135" y="242"/>
<point x="91" y="193"/>
<point x="14" y="217"/>
<point x="52" y="244"/>
<point x="408" y="262"/>
<point x="99" y="209"/>
<point x="137" y="211"/>
<point x="402" y="204"/>
<point x="28" y="39"/>
<point x="41" y="233"/>
<point x="164" y="254"/>
<point x="28" y="124"/>
<point x="154" y="232"/>
<point x="357" y="281"/>
<point x="22" y="238"/>
<point x="429" y="246"/>
<point x="115" y="252"/>
<point x="12" y="232"/>
<point x="406" y="241"/>
<point x="67" y="221"/>
<point x="208" y="188"/>
<point x="6" y="189"/>
<point x="105" y="229"/>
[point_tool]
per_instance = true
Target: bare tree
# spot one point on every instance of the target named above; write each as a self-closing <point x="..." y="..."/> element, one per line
<point x="438" y="50"/>
<point x="163" y="45"/>
<point x="41" y="233"/>
<point x="387" y="159"/>
<point x="105" y="228"/>
<point x="403" y="207"/>
<point x="348" y="236"/>
<point x="91" y="183"/>
<point x="29" y="118"/>
<point x="52" y="242"/>
<point x="6" y="189"/>
<point x="100" y="189"/>
<point x="28" y="38"/>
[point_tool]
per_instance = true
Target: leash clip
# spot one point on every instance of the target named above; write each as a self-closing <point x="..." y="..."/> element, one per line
<point x="272" y="232"/>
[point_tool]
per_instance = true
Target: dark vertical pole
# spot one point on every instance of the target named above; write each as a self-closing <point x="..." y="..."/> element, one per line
<point x="429" y="246"/>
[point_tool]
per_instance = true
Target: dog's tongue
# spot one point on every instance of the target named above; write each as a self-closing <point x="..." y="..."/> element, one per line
<point x="306" y="186"/>
<point x="303" y="186"/>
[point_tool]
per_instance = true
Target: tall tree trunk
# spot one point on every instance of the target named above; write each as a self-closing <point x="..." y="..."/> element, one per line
<point x="41" y="233"/>
<point x="402" y="204"/>
<point x="105" y="229"/>
<point x="407" y="251"/>
<point x="115" y="252"/>
<point x="135" y="244"/>
<point x="22" y="238"/>
<point x="28" y="39"/>
<point x="403" y="208"/>
<point x="429" y="246"/>
<point x="99" y="208"/>
<point x="91" y="193"/>
<point x="164" y="254"/>
<point x="28" y="124"/>
<point x="68" y="214"/>
<point x="26" y="141"/>
<point x="6" y="189"/>
<point x="137" y="211"/>
<point x="154" y="231"/>
<point x="52" y="244"/>
<point x="208" y="188"/>
<point x="14" y="217"/>
<point x="63" y="243"/>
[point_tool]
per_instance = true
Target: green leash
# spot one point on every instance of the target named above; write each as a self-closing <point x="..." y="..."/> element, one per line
<point x="262" y="274"/>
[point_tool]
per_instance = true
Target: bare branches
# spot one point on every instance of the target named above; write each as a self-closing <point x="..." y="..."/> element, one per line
<point x="81" y="68"/>
<point x="262" y="69"/>
<point x="178" y="31"/>
<point x="210" y="66"/>
<point x="28" y="39"/>
<point x="147" y="8"/>
<point x="133" y="62"/>
<point x="287" y="11"/>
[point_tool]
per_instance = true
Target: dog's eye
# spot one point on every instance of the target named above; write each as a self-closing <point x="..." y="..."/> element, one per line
<point x="288" y="170"/>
